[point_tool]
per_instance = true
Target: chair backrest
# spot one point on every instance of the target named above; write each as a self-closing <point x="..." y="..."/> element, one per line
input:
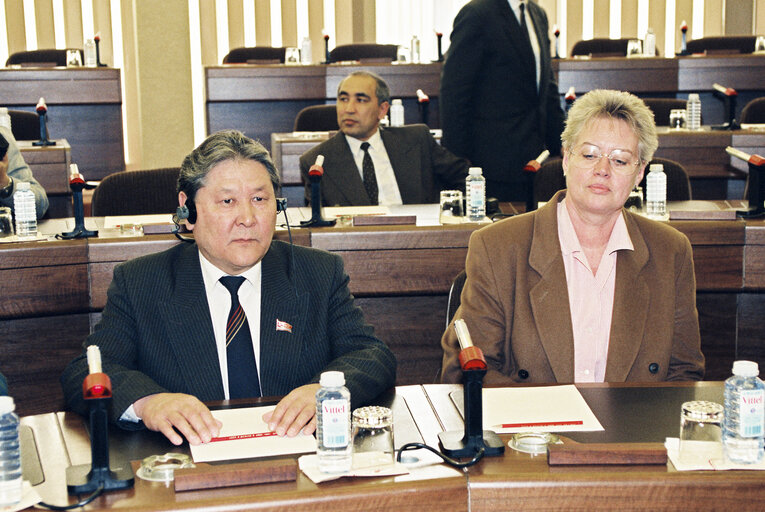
<point x="48" y="57"/>
<point x="25" y="125"/>
<point x="136" y="193"/>
<point x="363" y="51"/>
<point x="722" y="44"/>
<point x="549" y="179"/>
<point x="603" y="47"/>
<point x="454" y="296"/>
<point x="754" y="111"/>
<point x="317" y="118"/>
<point x="661" y="107"/>
<point x="255" y="54"/>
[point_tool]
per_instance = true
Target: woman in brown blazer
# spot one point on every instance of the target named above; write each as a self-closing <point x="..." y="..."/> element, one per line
<point x="582" y="289"/>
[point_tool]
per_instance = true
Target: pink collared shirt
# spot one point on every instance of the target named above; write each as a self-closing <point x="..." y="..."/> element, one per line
<point x="590" y="297"/>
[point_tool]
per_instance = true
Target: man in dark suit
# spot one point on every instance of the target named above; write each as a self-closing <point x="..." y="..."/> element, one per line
<point x="499" y="102"/>
<point x="405" y="163"/>
<point x="165" y="334"/>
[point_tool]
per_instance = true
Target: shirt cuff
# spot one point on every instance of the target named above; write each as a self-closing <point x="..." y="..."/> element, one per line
<point x="130" y="415"/>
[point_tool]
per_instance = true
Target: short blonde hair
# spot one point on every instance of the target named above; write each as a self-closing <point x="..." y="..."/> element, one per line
<point x="615" y="105"/>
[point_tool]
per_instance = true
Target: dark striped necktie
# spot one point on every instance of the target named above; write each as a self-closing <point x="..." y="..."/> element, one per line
<point x="368" y="170"/>
<point x="243" y="381"/>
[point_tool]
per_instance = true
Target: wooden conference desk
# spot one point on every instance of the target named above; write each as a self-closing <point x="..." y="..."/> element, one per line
<point x="400" y="275"/>
<point x="262" y="99"/>
<point x="50" y="167"/>
<point x="669" y="77"/>
<point x="84" y="107"/>
<point x="629" y="413"/>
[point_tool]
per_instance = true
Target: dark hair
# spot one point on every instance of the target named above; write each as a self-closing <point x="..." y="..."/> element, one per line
<point x="217" y="148"/>
<point x="381" y="88"/>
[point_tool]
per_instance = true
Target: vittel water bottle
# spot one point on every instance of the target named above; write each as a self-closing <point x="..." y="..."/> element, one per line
<point x="305" y="51"/>
<point x="656" y="191"/>
<point x="693" y="112"/>
<point x="333" y="424"/>
<point x="475" y="195"/>
<point x="90" y="53"/>
<point x="10" y="454"/>
<point x="24" y="211"/>
<point x="397" y="113"/>
<point x="743" y="427"/>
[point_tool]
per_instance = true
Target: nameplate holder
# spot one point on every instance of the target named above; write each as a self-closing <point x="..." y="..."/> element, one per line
<point x="384" y="220"/>
<point x="207" y="476"/>
<point x="606" y="453"/>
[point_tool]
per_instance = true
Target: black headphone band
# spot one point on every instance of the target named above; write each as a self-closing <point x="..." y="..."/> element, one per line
<point x="189" y="212"/>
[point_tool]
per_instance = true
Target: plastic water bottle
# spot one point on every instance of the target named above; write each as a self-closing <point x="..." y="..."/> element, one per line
<point x="397" y="113"/>
<point x="475" y="195"/>
<point x="5" y="117"/>
<point x="305" y="51"/>
<point x="649" y="46"/>
<point x="743" y="427"/>
<point x="333" y="424"/>
<point x="414" y="49"/>
<point x="90" y="53"/>
<point x="656" y="191"/>
<point x="10" y="455"/>
<point x="24" y="211"/>
<point x="693" y="112"/>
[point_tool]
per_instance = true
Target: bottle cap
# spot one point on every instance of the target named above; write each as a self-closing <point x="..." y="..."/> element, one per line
<point x="656" y="167"/>
<point x="23" y="185"/>
<point x="746" y="368"/>
<point x="397" y="101"/>
<point x="693" y="96"/>
<point x="332" y="379"/>
<point x="6" y="404"/>
<point x="475" y="171"/>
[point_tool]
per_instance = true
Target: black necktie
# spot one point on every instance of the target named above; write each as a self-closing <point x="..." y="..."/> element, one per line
<point x="528" y="50"/>
<point x="243" y="379"/>
<point x="368" y="170"/>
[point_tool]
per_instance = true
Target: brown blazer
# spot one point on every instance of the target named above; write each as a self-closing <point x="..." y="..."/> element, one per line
<point x="515" y="303"/>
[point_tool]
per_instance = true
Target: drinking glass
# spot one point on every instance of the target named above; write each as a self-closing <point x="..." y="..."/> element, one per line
<point x="759" y="44"/>
<point x="677" y="118"/>
<point x="6" y="222"/>
<point x="73" y="59"/>
<point x="372" y="437"/>
<point x="634" y="48"/>
<point x="450" y="207"/>
<point x="700" y="424"/>
<point x="291" y="56"/>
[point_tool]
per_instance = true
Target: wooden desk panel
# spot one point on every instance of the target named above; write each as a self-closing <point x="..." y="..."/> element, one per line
<point x="618" y="73"/>
<point x="740" y="71"/>
<point x="84" y="107"/>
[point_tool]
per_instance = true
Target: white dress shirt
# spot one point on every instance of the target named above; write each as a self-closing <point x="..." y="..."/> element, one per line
<point x="515" y="5"/>
<point x="387" y="186"/>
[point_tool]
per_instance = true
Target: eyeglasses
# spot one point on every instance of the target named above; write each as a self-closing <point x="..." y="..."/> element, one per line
<point x="587" y="156"/>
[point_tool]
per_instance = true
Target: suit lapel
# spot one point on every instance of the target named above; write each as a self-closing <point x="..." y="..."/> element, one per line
<point x="404" y="163"/>
<point x="343" y="173"/>
<point x="280" y="349"/>
<point x="189" y="328"/>
<point x="630" y="311"/>
<point x="549" y="297"/>
<point x="520" y="47"/>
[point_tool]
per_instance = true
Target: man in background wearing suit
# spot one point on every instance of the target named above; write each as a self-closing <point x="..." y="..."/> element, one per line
<point x="14" y="169"/>
<point x="169" y="335"/>
<point x="499" y="102"/>
<point x="366" y="165"/>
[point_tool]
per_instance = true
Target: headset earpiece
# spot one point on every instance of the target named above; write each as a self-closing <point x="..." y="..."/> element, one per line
<point x="281" y="204"/>
<point x="187" y="212"/>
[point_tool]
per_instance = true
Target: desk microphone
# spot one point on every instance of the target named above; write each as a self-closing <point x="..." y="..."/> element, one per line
<point x="42" y="113"/>
<point x="97" y="40"/>
<point x="77" y="183"/>
<point x="755" y="191"/>
<point x="314" y="176"/>
<point x="530" y="169"/>
<point x="98" y="476"/>
<point x="423" y="102"/>
<point x="570" y="97"/>
<point x="474" y="439"/>
<point x="729" y="96"/>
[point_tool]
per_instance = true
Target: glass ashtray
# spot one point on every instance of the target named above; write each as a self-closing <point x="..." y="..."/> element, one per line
<point x="161" y="468"/>
<point x="532" y="442"/>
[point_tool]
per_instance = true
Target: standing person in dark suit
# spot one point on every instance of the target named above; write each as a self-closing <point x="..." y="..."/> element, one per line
<point x="499" y="103"/>
<point x="169" y="326"/>
<point x="3" y="385"/>
<point x="405" y="163"/>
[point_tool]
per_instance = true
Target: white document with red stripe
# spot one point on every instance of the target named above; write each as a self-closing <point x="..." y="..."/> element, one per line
<point x="245" y="435"/>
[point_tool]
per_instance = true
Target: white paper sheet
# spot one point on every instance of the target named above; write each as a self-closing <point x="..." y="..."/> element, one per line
<point x="245" y="435"/>
<point x="537" y="409"/>
<point x="118" y="220"/>
<point x="704" y="455"/>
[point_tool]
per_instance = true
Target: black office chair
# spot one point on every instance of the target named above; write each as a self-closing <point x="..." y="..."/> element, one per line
<point x="364" y="51"/>
<point x="722" y="44"/>
<point x="754" y="111"/>
<point x="661" y="107"/>
<point x="549" y="179"/>
<point x="255" y="55"/>
<point x="317" y="118"/>
<point x="49" y="57"/>
<point x="25" y="125"/>
<point x="603" y="47"/>
<point x="136" y="193"/>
